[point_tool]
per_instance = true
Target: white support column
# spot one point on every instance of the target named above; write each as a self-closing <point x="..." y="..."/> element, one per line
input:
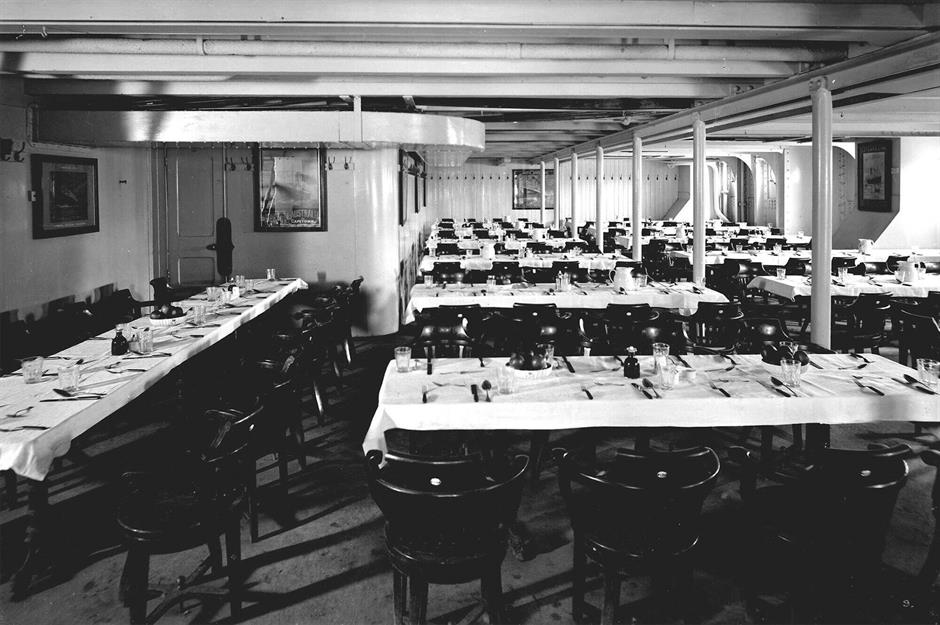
<point x="573" y="231"/>
<point x="637" y="198"/>
<point x="698" y="200"/>
<point x="599" y="229"/>
<point x="542" y="189"/>
<point x="821" y="305"/>
<point x="557" y="177"/>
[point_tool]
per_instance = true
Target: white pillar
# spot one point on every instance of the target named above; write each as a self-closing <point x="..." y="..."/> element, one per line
<point x="821" y="306"/>
<point x="698" y="200"/>
<point x="557" y="177"/>
<point x="574" y="195"/>
<point x="542" y="190"/>
<point x="637" y="198"/>
<point x="599" y="230"/>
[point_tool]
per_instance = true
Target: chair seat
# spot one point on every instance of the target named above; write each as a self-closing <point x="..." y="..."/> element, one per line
<point x="174" y="516"/>
<point x="619" y="550"/>
<point x="445" y="557"/>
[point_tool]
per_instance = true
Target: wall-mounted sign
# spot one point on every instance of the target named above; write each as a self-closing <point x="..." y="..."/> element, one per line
<point x="874" y="176"/>
<point x="290" y="187"/>
<point x="65" y="195"/>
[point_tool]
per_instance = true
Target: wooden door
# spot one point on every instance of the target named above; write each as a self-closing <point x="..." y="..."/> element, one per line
<point x="194" y="201"/>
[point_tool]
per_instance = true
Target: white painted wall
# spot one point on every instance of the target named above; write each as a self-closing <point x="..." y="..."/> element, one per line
<point x="36" y="271"/>
<point x="485" y="191"/>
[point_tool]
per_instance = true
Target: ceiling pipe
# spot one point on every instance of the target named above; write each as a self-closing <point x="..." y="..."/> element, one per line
<point x="229" y="47"/>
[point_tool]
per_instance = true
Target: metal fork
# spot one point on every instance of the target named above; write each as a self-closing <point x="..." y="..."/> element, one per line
<point x="874" y="389"/>
<point x="718" y="388"/>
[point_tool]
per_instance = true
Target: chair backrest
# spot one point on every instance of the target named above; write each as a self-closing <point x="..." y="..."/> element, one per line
<point x="761" y="332"/>
<point x="709" y="311"/>
<point x="919" y="335"/>
<point x="869" y="312"/>
<point x="644" y="334"/>
<point x="931" y="266"/>
<point x="425" y="495"/>
<point x="651" y="501"/>
<point x="446" y="248"/>
<point x="445" y="335"/>
<point x="796" y="267"/>
<point x="893" y="260"/>
<point x="871" y="266"/>
<point x="842" y="261"/>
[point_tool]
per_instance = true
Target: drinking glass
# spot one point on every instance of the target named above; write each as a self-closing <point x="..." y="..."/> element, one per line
<point x="403" y="359"/>
<point x="790" y="370"/>
<point x="781" y="273"/>
<point x="271" y="273"/>
<point x="68" y="377"/>
<point x="799" y="234"/>
<point x="32" y="369"/>
<point x="505" y="380"/>
<point x="199" y="314"/>
<point x="928" y="371"/>
<point x="668" y="372"/>
<point x="249" y="286"/>
<point x="549" y="350"/>
<point x="842" y="273"/>
<point x="145" y="340"/>
<point x="660" y="354"/>
<point x="778" y="249"/>
<point x="491" y="282"/>
<point x="428" y="280"/>
<point x="640" y="281"/>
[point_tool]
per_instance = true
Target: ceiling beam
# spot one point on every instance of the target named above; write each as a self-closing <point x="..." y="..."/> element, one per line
<point x="857" y="77"/>
<point x="417" y="86"/>
<point x="105" y="65"/>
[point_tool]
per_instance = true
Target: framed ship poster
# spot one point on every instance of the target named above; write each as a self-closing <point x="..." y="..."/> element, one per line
<point x="290" y="188"/>
<point x="527" y="189"/>
<point x="64" y="195"/>
<point x="874" y="176"/>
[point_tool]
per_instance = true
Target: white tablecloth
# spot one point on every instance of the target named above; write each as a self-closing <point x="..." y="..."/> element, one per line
<point x="791" y="286"/>
<point x="827" y="395"/>
<point x="30" y="452"/>
<point x="584" y="296"/>
<point x="585" y="261"/>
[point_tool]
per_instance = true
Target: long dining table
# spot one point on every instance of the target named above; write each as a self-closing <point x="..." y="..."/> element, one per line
<point x="594" y="394"/>
<point x="792" y="286"/>
<point x="38" y="425"/>
<point x="679" y="295"/>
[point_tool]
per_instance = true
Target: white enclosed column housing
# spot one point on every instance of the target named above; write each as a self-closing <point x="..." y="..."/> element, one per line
<point x="637" y="198"/>
<point x="821" y="306"/>
<point x="573" y="230"/>
<point x="698" y="200"/>
<point x="557" y="179"/>
<point x="599" y="229"/>
<point x="542" y="189"/>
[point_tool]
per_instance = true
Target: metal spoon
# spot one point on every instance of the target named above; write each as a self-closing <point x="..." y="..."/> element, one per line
<point x="649" y="384"/>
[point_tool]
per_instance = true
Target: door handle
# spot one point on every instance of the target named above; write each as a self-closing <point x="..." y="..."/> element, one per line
<point x="211" y="247"/>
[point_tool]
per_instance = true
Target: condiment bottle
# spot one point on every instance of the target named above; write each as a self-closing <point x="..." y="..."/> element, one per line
<point x="119" y="345"/>
<point x="631" y="366"/>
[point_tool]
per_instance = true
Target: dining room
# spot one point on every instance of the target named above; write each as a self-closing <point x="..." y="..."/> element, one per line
<point x="505" y="312"/>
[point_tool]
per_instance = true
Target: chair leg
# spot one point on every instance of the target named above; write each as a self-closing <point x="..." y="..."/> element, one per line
<point x="233" y="553"/>
<point x="537" y="444"/>
<point x="491" y="586"/>
<point x="135" y="582"/>
<point x="418" y="608"/>
<point x="9" y="489"/>
<point x="252" y="482"/>
<point x="578" y="573"/>
<point x="400" y="592"/>
<point x="215" y="554"/>
<point x="611" y="597"/>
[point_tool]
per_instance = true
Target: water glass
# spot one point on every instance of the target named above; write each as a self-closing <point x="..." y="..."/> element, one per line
<point x="249" y="285"/>
<point x="491" y="282"/>
<point x="505" y="380"/>
<point x="928" y="371"/>
<point x="32" y="369"/>
<point x="403" y="359"/>
<point x="145" y="340"/>
<point x="213" y="293"/>
<point x="842" y="273"/>
<point x="660" y="354"/>
<point x="68" y="377"/>
<point x="240" y="281"/>
<point x="549" y="350"/>
<point x="668" y="372"/>
<point x="199" y="314"/>
<point x="778" y="249"/>
<point x="271" y="273"/>
<point x="790" y="370"/>
<point x="640" y="281"/>
<point x="428" y="280"/>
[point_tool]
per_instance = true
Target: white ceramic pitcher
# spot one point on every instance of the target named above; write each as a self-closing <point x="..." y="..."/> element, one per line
<point x="907" y="271"/>
<point x="622" y="278"/>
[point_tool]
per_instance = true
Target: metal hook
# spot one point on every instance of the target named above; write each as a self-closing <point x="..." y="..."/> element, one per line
<point x="329" y="162"/>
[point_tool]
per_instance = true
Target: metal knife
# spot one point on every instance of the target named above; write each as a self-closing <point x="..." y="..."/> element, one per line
<point x="682" y="360"/>
<point x="641" y="389"/>
<point x="475" y="391"/>
<point x="918" y="384"/>
<point x="779" y="391"/>
<point x="719" y="389"/>
<point x="564" y="359"/>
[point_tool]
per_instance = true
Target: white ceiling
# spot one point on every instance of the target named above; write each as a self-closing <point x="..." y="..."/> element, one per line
<point x="543" y="76"/>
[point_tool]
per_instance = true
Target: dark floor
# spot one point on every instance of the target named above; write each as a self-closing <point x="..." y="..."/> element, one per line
<point x="321" y="559"/>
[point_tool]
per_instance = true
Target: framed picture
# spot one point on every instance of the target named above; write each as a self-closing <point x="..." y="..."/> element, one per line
<point x="64" y="194"/>
<point x="527" y="189"/>
<point x="874" y="176"/>
<point x="411" y="169"/>
<point x="290" y="188"/>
